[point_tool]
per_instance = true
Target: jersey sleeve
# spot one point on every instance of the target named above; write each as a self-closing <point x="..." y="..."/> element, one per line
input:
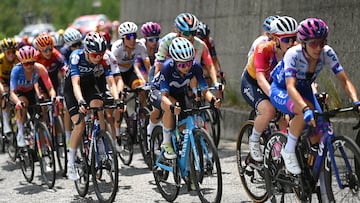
<point x="44" y="75"/>
<point x="332" y="60"/>
<point x="262" y="54"/>
<point x="206" y="57"/>
<point x="74" y="64"/>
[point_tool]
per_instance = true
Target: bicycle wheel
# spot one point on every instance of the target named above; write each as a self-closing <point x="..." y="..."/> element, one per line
<point x="12" y="148"/>
<point x="143" y="141"/>
<point x="26" y="156"/>
<point x="82" y="167"/>
<point x="167" y="180"/>
<point x="104" y="168"/>
<point x="60" y="146"/>
<point x="346" y="154"/>
<point x="206" y="172"/>
<point x="216" y="114"/>
<point x="125" y="140"/>
<point x="208" y="125"/>
<point x="251" y="173"/>
<point x="46" y="155"/>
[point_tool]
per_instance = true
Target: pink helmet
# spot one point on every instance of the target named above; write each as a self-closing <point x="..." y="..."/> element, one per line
<point x="312" y="28"/>
<point x="26" y="54"/>
<point x="150" y="29"/>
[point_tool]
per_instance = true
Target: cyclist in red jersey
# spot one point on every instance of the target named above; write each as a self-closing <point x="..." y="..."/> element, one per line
<point x="255" y="81"/>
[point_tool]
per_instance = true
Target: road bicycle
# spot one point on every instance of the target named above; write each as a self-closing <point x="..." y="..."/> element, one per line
<point x="97" y="156"/>
<point x="39" y="147"/>
<point x="197" y="161"/>
<point x="57" y="131"/>
<point x="336" y="156"/>
<point x="133" y="127"/>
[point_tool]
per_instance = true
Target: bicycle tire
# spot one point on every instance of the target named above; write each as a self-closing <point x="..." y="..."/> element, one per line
<point x="83" y="168"/>
<point x="251" y="177"/>
<point x="208" y="125"/>
<point x="143" y="141"/>
<point x="216" y="114"/>
<point x="345" y="150"/>
<point x="12" y="148"/>
<point x="47" y="157"/>
<point x="125" y="140"/>
<point x="60" y="146"/>
<point x="2" y="135"/>
<point x="168" y="183"/>
<point x="105" y="184"/>
<point x="27" y="165"/>
<point x="207" y="175"/>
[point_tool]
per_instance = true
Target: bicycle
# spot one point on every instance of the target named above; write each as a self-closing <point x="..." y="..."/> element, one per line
<point x="197" y="160"/>
<point x="133" y="128"/>
<point x="251" y="172"/>
<point x="334" y="155"/>
<point x="97" y="155"/>
<point x="39" y="147"/>
<point x="8" y="141"/>
<point x="57" y="131"/>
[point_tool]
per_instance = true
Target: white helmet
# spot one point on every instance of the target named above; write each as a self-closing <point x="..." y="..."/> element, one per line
<point x="72" y="36"/>
<point x="283" y="25"/>
<point x="181" y="49"/>
<point x="127" y="28"/>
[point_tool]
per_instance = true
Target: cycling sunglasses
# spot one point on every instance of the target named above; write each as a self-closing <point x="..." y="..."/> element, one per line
<point x="184" y="64"/>
<point x="288" y="39"/>
<point x="46" y="50"/>
<point x="316" y="42"/>
<point x="188" y="33"/>
<point x="152" y="39"/>
<point x="30" y="63"/>
<point x="131" y="36"/>
<point x="96" y="54"/>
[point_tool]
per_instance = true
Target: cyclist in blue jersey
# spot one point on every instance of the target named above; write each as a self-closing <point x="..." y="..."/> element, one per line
<point x="171" y="86"/>
<point x="83" y="90"/>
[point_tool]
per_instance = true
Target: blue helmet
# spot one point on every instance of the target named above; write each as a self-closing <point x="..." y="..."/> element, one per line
<point x="267" y="22"/>
<point x="186" y="22"/>
<point x="94" y="42"/>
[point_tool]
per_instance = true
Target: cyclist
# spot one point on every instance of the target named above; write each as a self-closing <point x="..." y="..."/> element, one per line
<point x="80" y="82"/>
<point x="175" y="76"/>
<point x="151" y="35"/>
<point x="203" y="32"/>
<point x="126" y="51"/>
<point x="186" y="25"/>
<point x="255" y="80"/>
<point x="291" y="90"/>
<point x="266" y="36"/>
<point x="8" y="60"/>
<point x="23" y="77"/>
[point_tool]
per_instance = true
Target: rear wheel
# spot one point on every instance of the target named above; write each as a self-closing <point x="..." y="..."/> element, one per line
<point x="251" y="172"/>
<point x="26" y="156"/>
<point x="143" y="142"/>
<point x="104" y="168"/>
<point x="345" y="162"/>
<point x="125" y="140"/>
<point x="83" y="169"/>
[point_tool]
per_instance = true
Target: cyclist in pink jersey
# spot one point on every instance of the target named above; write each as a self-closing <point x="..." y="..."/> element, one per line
<point x="255" y="81"/>
<point x="23" y="77"/>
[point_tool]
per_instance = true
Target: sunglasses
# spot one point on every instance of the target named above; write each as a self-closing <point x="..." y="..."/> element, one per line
<point x="46" y="50"/>
<point x="30" y="63"/>
<point x="317" y="42"/>
<point x="184" y="64"/>
<point x="96" y="55"/>
<point x="288" y="39"/>
<point x="10" y="51"/>
<point x="188" y="33"/>
<point x="152" y="39"/>
<point x="130" y="36"/>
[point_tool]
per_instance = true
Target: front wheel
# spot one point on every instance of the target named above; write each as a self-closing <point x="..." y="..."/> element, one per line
<point x="205" y="168"/>
<point x="125" y="140"/>
<point x="26" y="156"/>
<point x="341" y="170"/>
<point x="82" y="168"/>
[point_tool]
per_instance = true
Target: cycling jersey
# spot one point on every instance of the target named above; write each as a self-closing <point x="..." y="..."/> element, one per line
<point x="260" y="39"/>
<point x="125" y="61"/>
<point x="262" y="60"/>
<point x="201" y="50"/>
<point x="210" y="44"/>
<point x="19" y="83"/>
<point x="6" y="66"/>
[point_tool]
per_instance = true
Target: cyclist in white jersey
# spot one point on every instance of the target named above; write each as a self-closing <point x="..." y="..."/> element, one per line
<point x="291" y="90"/>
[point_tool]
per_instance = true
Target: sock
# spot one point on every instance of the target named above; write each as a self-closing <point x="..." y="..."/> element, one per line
<point x="166" y="135"/>
<point x="6" y="119"/>
<point x="71" y="158"/>
<point x="291" y="143"/>
<point x="117" y="131"/>
<point x="255" y="136"/>
<point x="150" y="127"/>
<point x="20" y="127"/>
<point x="67" y="135"/>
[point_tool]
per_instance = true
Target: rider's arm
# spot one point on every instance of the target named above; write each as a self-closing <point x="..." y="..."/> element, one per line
<point x="263" y="83"/>
<point x="347" y="85"/>
<point x="112" y="87"/>
<point x="46" y="79"/>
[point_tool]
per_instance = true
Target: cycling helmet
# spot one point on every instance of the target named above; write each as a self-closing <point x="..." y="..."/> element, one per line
<point x="312" y="28"/>
<point x="127" y="28"/>
<point x="283" y="25"/>
<point x="186" y="22"/>
<point x="58" y="40"/>
<point x="72" y="36"/>
<point x="267" y="21"/>
<point x="8" y="43"/>
<point x="181" y="49"/>
<point x="44" y="40"/>
<point x="203" y="30"/>
<point x="26" y="54"/>
<point x="150" y="29"/>
<point x="94" y="42"/>
<point x="106" y="36"/>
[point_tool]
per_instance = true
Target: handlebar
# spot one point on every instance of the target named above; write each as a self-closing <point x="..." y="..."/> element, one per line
<point x="332" y="113"/>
